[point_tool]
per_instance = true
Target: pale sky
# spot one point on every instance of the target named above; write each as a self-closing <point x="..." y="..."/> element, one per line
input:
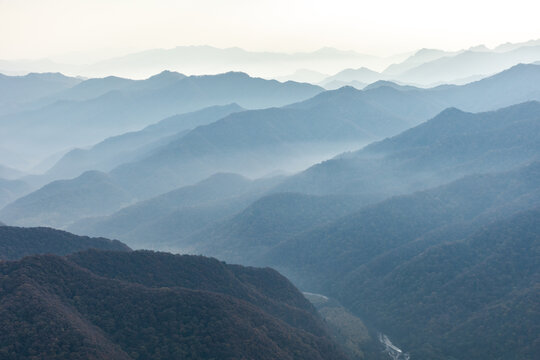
<point x="50" y="28"/>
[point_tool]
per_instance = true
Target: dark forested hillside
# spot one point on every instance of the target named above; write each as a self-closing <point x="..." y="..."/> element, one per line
<point x="349" y="242"/>
<point x="404" y="265"/>
<point x="475" y="298"/>
<point x="17" y="242"/>
<point x="265" y="288"/>
<point x="55" y="308"/>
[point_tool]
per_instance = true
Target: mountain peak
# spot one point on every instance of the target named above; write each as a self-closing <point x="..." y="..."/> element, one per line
<point x="522" y="66"/>
<point x="229" y="75"/>
<point x="387" y="83"/>
<point x="519" y="69"/>
<point x="479" y="48"/>
<point x="347" y="89"/>
<point x="450" y="111"/>
<point x="46" y="75"/>
<point x="361" y="70"/>
<point x="167" y="75"/>
<point x="426" y="51"/>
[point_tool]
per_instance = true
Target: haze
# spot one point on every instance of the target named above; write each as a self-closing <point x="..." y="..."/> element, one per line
<point x="84" y="31"/>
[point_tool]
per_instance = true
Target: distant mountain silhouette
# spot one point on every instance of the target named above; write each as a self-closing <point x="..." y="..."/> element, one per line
<point x="96" y="87"/>
<point x="512" y="86"/>
<point x="10" y="173"/>
<point x="431" y="67"/>
<point x="92" y="88"/>
<point x="420" y="57"/>
<point x="98" y="305"/>
<point x="451" y="145"/>
<point x="10" y="190"/>
<point x="254" y="143"/>
<point x="466" y="64"/>
<point x="417" y="159"/>
<point x="69" y="123"/>
<point x="208" y="59"/>
<point x="513" y="46"/>
<point x="381" y="83"/>
<point x="63" y="201"/>
<point x="26" y="66"/>
<point x="17" y="242"/>
<point x="15" y="91"/>
<point x="509" y="87"/>
<point x="336" y="84"/>
<point x="361" y="76"/>
<point x="127" y="147"/>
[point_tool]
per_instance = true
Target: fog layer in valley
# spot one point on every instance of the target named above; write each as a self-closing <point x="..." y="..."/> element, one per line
<point x="401" y="195"/>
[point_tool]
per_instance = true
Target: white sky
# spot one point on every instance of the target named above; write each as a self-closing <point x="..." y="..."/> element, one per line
<point x="49" y="28"/>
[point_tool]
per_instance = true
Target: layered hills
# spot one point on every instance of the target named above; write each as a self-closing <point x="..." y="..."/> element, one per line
<point x="67" y="123"/>
<point x="128" y="147"/>
<point x="176" y="215"/>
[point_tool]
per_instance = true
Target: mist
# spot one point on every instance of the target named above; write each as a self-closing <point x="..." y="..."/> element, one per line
<point x="269" y="180"/>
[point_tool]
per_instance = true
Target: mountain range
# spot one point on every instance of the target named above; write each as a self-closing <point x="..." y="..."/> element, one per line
<point x="16" y="91"/>
<point x="406" y="214"/>
<point x="489" y="142"/>
<point x="417" y="159"/>
<point x="467" y="64"/>
<point x="254" y="143"/>
<point x="117" y="110"/>
<point x="93" y="193"/>
<point x="451" y="145"/>
<point x="431" y="67"/>
<point x="209" y="60"/>
<point x="113" y="151"/>
<point x="469" y="245"/>
<point x="345" y="117"/>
